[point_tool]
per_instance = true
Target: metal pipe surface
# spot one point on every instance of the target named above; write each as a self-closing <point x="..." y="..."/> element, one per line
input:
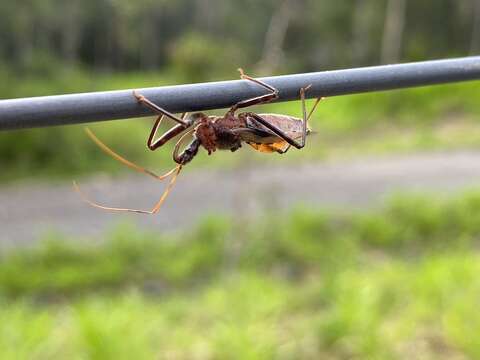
<point x="110" y="105"/>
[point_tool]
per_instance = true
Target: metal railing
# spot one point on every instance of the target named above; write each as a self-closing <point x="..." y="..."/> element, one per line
<point x="110" y="105"/>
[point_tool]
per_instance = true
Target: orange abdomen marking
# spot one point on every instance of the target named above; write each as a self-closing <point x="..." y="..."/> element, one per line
<point x="270" y="148"/>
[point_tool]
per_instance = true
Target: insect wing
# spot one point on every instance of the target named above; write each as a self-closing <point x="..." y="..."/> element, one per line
<point x="291" y="126"/>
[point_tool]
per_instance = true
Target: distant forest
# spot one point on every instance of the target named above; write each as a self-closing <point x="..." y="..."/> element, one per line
<point x="196" y="36"/>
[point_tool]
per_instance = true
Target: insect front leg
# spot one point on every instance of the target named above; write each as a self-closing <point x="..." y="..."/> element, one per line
<point x="143" y="100"/>
<point x="153" y="144"/>
<point x="190" y="151"/>
<point x="188" y="154"/>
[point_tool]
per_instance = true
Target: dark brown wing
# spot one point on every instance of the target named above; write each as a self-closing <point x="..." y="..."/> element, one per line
<point x="256" y="135"/>
<point x="291" y="126"/>
<point x="255" y="132"/>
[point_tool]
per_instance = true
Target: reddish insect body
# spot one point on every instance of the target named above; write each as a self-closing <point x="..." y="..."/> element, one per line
<point x="264" y="132"/>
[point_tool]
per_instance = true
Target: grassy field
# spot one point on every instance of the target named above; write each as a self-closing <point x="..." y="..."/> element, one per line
<point x="429" y="118"/>
<point x="396" y="282"/>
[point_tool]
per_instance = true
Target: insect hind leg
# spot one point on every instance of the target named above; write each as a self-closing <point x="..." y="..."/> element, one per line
<point x="304" y="111"/>
<point x="257" y="81"/>
<point x="262" y="99"/>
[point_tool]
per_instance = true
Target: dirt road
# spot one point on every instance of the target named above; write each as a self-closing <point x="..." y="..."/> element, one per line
<point x="27" y="210"/>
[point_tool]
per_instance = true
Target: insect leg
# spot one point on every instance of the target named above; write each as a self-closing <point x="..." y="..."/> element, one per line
<point x="304" y="111"/>
<point x="190" y="151"/>
<point x="258" y="99"/>
<point x="155" y="144"/>
<point x="143" y="100"/>
<point x="314" y="107"/>
<point x="259" y="82"/>
<point x="154" y="210"/>
<point x="124" y="161"/>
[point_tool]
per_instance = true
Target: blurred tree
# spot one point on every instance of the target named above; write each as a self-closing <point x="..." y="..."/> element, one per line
<point x="393" y="31"/>
<point x="71" y="23"/>
<point x="275" y="37"/>
<point x="363" y="31"/>
<point x="475" y="37"/>
<point x="196" y="57"/>
<point x="297" y="35"/>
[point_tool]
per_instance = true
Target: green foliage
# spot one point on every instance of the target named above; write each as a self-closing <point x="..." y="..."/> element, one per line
<point x="297" y="244"/>
<point x="374" y="312"/>
<point x="195" y="57"/>
<point x="127" y="258"/>
<point x="390" y="283"/>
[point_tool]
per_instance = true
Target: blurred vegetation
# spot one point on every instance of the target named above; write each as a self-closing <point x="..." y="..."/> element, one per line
<point x="395" y="282"/>
<point x="206" y="36"/>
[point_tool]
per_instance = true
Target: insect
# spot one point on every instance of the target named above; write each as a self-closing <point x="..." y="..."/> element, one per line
<point x="269" y="133"/>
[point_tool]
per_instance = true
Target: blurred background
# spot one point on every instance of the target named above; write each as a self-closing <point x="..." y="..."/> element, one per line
<point x="362" y="245"/>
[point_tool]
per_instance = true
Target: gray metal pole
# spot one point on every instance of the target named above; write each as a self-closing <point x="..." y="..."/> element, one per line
<point x="110" y="105"/>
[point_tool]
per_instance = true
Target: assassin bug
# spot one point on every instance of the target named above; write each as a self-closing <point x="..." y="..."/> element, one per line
<point x="264" y="132"/>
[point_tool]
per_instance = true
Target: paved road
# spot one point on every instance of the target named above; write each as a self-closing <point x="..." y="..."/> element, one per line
<point x="27" y="210"/>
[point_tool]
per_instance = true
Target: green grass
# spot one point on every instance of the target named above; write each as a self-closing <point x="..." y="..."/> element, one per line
<point x="397" y="310"/>
<point x="396" y="282"/>
<point x="297" y="243"/>
<point x="429" y="118"/>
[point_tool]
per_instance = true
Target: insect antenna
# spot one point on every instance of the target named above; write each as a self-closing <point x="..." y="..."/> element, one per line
<point x="154" y="210"/>
<point x="124" y="161"/>
<point x="314" y="107"/>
